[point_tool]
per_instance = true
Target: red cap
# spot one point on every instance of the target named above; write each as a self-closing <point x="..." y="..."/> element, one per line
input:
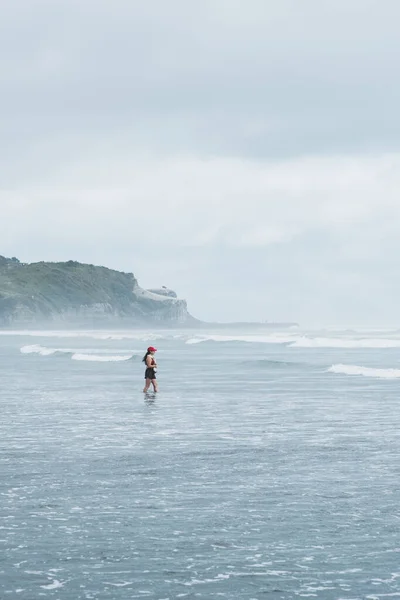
<point x="151" y="349"/>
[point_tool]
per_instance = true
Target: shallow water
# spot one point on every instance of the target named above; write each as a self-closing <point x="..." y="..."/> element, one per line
<point x="255" y="473"/>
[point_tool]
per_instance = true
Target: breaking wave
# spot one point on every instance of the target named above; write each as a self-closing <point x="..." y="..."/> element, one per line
<point x="306" y="342"/>
<point x="296" y="341"/>
<point x="142" y="336"/>
<point x="258" y="339"/>
<point x="43" y="350"/>
<point x="365" y="371"/>
<point x="88" y="355"/>
<point x="291" y="340"/>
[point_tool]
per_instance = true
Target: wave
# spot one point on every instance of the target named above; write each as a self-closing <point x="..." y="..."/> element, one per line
<point x="295" y="341"/>
<point x="95" y="335"/>
<point x="260" y="339"/>
<point x="101" y="358"/>
<point x="43" y="351"/>
<point x="87" y="355"/>
<point x="306" y="342"/>
<point x="365" y="371"/>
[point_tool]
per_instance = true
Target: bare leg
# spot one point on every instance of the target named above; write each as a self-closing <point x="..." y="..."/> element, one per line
<point x="155" y="386"/>
<point x="147" y="385"/>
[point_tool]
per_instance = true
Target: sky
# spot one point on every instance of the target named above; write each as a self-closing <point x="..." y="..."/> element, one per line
<point x="245" y="154"/>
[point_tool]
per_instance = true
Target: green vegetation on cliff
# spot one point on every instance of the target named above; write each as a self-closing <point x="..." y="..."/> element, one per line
<point x="78" y="293"/>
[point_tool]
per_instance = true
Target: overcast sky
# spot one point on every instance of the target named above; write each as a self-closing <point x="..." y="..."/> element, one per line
<point x="244" y="153"/>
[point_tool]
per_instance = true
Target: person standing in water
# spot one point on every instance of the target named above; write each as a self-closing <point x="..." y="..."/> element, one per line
<point x="151" y="366"/>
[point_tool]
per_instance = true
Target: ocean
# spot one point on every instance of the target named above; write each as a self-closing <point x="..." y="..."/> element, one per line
<point x="268" y="466"/>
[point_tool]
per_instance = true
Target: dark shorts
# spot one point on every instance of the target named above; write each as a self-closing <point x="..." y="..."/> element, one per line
<point x="150" y="373"/>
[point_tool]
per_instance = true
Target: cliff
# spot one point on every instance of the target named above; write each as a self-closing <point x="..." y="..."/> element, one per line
<point x="72" y="293"/>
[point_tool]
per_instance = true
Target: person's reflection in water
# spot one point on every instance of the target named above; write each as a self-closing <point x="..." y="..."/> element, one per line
<point x="150" y="398"/>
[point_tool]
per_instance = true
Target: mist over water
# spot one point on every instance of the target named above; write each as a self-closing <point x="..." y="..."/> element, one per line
<point x="267" y="466"/>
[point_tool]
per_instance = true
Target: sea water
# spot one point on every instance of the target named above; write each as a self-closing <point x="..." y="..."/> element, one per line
<point x="268" y="466"/>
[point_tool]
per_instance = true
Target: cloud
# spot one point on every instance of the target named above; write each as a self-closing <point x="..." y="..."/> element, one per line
<point x="246" y="154"/>
<point x="221" y="200"/>
<point x="297" y="234"/>
<point x="205" y="79"/>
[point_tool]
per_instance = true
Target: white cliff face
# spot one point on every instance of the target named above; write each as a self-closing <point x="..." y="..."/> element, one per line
<point x="164" y="291"/>
<point x="163" y="303"/>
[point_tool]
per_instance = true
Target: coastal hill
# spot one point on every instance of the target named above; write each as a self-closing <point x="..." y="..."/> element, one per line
<point x="72" y="293"/>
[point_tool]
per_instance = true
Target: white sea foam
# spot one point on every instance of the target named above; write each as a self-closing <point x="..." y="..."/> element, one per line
<point x="143" y="336"/>
<point x="319" y="342"/>
<point x="54" y="585"/>
<point x="365" y="371"/>
<point x="258" y="339"/>
<point x="101" y="358"/>
<point x="294" y="340"/>
<point x="42" y="350"/>
<point x="305" y="341"/>
<point x="95" y="355"/>
<point x="124" y="584"/>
